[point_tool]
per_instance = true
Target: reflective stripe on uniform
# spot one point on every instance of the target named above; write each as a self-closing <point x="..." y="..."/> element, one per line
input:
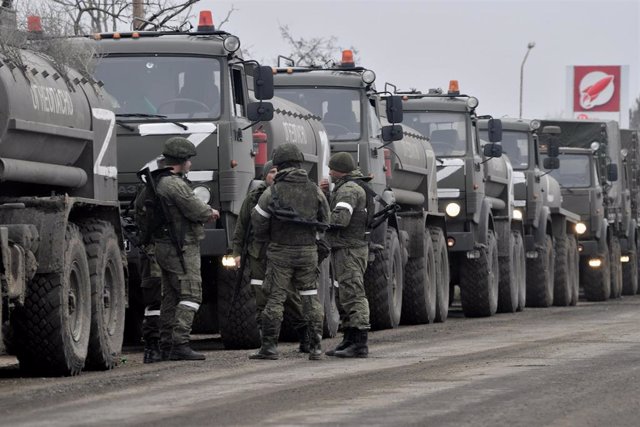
<point x="311" y="292"/>
<point x="345" y="205"/>
<point x="336" y="284"/>
<point x="256" y="282"/>
<point x="190" y="304"/>
<point x="262" y="212"/>
<point x="149" y="313"/>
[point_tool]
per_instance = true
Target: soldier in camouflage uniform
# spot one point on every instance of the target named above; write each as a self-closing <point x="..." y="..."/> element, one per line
<point x="181" y="285"/>
<point x="257" y="260"/>
<point x="350" y="251"/>
<point x="288" y="216"/>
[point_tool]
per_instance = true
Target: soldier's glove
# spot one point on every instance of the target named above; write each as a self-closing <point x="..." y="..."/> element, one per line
<point x="324" y="250"/>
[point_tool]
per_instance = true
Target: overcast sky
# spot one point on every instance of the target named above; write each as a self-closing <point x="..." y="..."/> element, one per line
<point x="425" y="43"/>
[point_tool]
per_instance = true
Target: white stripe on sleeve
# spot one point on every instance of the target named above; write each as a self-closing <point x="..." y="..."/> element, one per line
<point x="346" y="206"/>
<point x="262" y="212"/>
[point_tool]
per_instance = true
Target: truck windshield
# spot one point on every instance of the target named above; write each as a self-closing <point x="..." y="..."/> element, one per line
<point x="574" y="172"/>
<point x="175" y="87"/>
<point x="447" y="131"/>
<point x="515" y="145"/>
<point x="339" y="108"/>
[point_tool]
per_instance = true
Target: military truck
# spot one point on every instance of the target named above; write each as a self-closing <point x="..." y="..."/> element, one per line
<point x="62" y="287"/>
<point x="631" y="169"/>
<point x="549" y="230"/>
<point x="591" y="188"/>
<point x="398" y="162"/>
<point x="196" y="84"/>
<point x="475" y="190"/>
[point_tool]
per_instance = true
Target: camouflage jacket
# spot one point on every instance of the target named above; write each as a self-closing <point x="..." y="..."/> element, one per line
<point x="187" y="212"/>
<point x="295" y="191"/>
<point x="244" y="221"/>
<point x="348" y="213"/>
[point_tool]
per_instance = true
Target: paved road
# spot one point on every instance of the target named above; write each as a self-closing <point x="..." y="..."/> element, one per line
<point x="577" y="366"/>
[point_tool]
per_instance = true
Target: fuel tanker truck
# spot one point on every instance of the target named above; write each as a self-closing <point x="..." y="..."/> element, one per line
<point x="590" y="154"/>
<point x="407" y="257"/>
<point x="476" y="192"/>
<point x="550" y="235"/>
<point x="631" y="164"/>
<point x="62" y="269"/>
<point x="196" y="84"/>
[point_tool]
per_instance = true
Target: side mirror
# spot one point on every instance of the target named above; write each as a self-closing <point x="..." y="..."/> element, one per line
<point x="391" y="133"/>
<point x="394" y="109"/>
<point x="550" y="163"/>
<point x="612" y="172"/>
<point x="494" y="129"/>
<point x="260" y="111"/>
<point x="552" y="130"/>
<point x="263" y="82"/>
<point x="492" y="150"/>
<point x="553" y="148"/>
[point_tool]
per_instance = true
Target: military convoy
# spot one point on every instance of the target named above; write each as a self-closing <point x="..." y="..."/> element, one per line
<point x="461" y="200"/>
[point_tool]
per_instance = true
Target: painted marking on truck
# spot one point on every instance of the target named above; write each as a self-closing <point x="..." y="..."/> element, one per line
<point x="294" y="133"/>
<point x="145" y="129"/>
<point x="449" y="167"/>
<point x="51" y="100"/>
<point x="448" y="193"/>
<point x="200" y="176"/>
<point x="518" y="177"/>
<point x="110" y="118"/>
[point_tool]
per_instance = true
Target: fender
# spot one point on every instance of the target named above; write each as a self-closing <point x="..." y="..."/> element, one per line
<point x="603" y="241"/>
<point x="544" y="226"/>
<point x="486" y="222"/>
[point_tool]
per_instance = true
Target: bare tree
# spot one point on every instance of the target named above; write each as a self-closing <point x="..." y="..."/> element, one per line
<point x="315" y="51"/>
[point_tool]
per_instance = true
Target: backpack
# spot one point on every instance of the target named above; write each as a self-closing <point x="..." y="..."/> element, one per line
<point x="370" y="202"/>
<point x="149" y="215"/>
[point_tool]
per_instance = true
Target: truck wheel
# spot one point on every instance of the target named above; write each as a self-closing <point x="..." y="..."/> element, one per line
<point x="479" y="281"/>
<point x="574" y="269"/>
<point x="540" y="273"/>
<point x="419" y="293"/>
<point x="383" y="284"/>
<point x="442" y="276"/>
<point x="522" y="268"/>
<point x="508" y="289"/>
<point x="562" y="283"/>
<point x="616" y="268"/>
<point x="328" y="293"/>
<point x="53" y="326"/>
<point x="238" y="325"/>
<point x="630" y="271"/>
<point x="596" y="282"/>
<point x="107" y="294"/>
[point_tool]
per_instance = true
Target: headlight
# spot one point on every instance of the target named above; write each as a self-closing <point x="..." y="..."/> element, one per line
<point x="231" y="44"/>
<point x="202" y="193"/>
<point x="517" y="214"/>
<point x="228" y="261"/>
<point x="534" y="124"/>
<point x="452" y="209"/>
<point x="581" y="228"/>
<point x="368" y="77"/>
<point x="472" y="102"/>
<point x="595" y="145"/>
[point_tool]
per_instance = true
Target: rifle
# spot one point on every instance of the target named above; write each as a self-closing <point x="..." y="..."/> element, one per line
<point x="145" y="176"/>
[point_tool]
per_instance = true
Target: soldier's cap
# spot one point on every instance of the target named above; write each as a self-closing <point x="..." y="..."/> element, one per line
<point x="266" y="168"/>
<point x="342" y="162"/>
<point x="179" y="148"/>
<point x="287" y="153"/>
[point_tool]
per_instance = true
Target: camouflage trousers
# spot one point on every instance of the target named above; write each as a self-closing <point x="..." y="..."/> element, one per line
<point x="292" y="305"/>
<point x="181" y="292"/>
<point x="349" y="265"/>
<point x="151" y="284"/>
<point x="291" y="270"/>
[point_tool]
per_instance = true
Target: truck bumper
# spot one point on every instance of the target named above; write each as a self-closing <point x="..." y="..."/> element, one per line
<point x="463" y="241"/>
<point x="588" y="247"/>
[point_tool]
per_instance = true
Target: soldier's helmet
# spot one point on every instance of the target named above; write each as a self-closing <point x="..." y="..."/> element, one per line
<point x="179" y="148"/>
<point x="342" y="162"/>
<point x="287" y="153"/>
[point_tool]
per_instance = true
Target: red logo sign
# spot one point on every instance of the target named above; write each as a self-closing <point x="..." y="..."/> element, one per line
<point x="596" y="88"/>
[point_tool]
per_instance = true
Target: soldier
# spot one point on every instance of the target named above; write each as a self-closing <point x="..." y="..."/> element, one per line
<point x="181" y="280"/>
<point x="347" y="236"/>
<point x="288" y="216"/>
<point x="256" y="251"/>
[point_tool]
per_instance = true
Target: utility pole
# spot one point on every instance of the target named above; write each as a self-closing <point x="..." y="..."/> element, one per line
<point x="138" y="12"/>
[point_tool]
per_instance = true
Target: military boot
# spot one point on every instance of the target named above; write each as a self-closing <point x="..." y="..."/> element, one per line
<point x="165" y="350"/>
<point x="303" y="336"/>
<point x="268" y="350"/>
<point x="358" y="347"/>
<point x="347" y="340"/>
<point x="184" y="352"/>
<point x="152" y="352"/>
<point x="315" y="347"/>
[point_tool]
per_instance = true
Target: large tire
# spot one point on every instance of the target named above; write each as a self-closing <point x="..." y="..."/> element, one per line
<point x="522" y="271"/>
<point x="383" y="284"/>
<point x="630" y="271"/>
<point x="562" y="283"/>
<point x="574" y="270"/>
<point x="53" y="326"/>
<point x="442" y="274"/>
<point x="479" y="281"/>
<point x="107" y="294"/>
<point x="419" y="293"/>
<point x="596" y="282"/>
<point x="615" y="253"/>
<point x="237" y="311"/>
<point x="540" y="276"/>
<point x="508" y="288"/>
